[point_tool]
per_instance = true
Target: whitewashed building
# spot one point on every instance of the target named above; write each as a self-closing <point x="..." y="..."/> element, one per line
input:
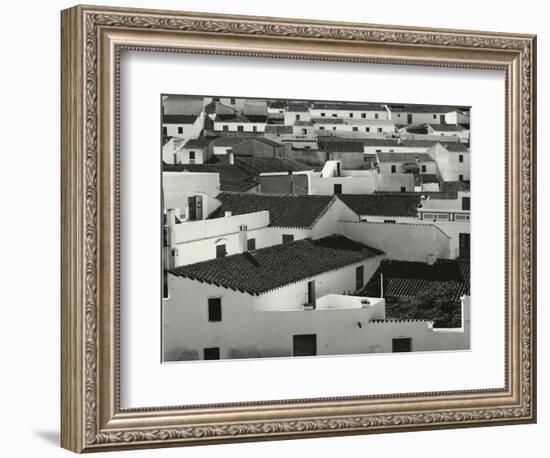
<point x="183" y="127"/>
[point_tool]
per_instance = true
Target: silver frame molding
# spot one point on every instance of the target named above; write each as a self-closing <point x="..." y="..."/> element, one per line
<point x="92" y="39"/>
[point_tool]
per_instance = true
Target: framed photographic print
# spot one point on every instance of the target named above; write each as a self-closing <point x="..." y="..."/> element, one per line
<point x="278" y="228"/>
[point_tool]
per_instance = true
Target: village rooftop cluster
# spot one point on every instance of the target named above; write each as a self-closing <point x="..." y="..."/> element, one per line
<point x="303" y="228"/>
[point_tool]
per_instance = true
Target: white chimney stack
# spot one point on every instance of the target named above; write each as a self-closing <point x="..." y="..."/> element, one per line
<point x="243" y="238"/>
<point x="231" y="157"/>
<point x="227" y="214"/>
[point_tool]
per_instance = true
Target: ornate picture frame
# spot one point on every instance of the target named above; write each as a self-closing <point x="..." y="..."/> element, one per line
<point x="92" y="40"/>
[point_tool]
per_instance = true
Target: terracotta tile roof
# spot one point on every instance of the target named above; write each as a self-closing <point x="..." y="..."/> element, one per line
<point x="398" y="204"/>
<point x="259" y="165"/>
<point x="299" y="107"/>
<point x="455" y="147"/>
<point x="447" y="127"/>
<point x="260" y="271"/>
<point x="425" y="108"/>
<point x="278" y="129"/>
<point x="301" y="211"/>
<point x="350" y="106"/>
<point x="179" y="119"/>
<point x="408" y="279"/>
<point x="342" y="146"/>
<point x="239" y="117"/>
<point x="327" y="120"/>
<point x="428" y="178"/>
<point x="404" y="157"/>
<point x="201" y="142"/>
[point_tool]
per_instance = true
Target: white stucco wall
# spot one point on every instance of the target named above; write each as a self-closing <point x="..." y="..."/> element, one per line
<point x="178" y="186"/>
<point x="254" y="326"/>
<point x="449" y="164"/>
<point x="406" y="242"/>
<point x="234" y="126"/>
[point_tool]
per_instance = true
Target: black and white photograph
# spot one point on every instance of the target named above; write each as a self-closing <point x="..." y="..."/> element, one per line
<point x="296" y="228"/>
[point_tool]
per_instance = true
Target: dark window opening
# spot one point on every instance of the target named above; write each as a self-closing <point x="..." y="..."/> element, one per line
<point x="240" y="128"/>
<point x="465" y="203"/>
<point x="393" y="169"/>
<point x="401" y="344"/>
<point x="225" y="128"/>
<point x="165" y="131"/>
<point x="359" y="277"/>
<point x="337" y="189"/>
<point x="403" y="189"/>
<point x="355" y="129"/>
<point x="215" y="309"/>
<point x="180" y="130"/>
<point x="191" y="155"/>
<point x="221" y="251"/>
<point x="389" y="221"/>
<point x="363" y="115"/>
<point x="304" y="345"/>
<point x="423" y="169"/>
<point x="288" y="238"/>
<point x="251" y="244"/>
<point x="460" y="158"/>
<point x="212" y="353"/>
<point x="311" y="297"/>
<point x="460" y="177"/>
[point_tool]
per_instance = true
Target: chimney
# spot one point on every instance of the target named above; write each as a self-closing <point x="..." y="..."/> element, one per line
<point x="243" y="238"/>
<point x="231" y="157"/>
<point x="227" y="214"/>
<point x="170" y="225"/>
<point x="431" y="259"/>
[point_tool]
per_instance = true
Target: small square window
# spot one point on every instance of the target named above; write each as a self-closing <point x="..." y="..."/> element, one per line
<point x="351" y="115"/>
<point x="393" y="169"/>
<point x="376" y="115"/>
<point x="240" y="128"/>
<point x="251" y="244"/>
<point x="288" y="238"/>
<point x="379" y="129"/>
<point x="180" y="130"/>
<point x="323" y="114"/>
<point x="355" y="128"/>
<point x="191" y="155"/>
<point x="367" y="129"/>
<point x="363" y="115"/>
<point x="460" y="158"/>
<point x="423" y="169"/>
<point x="212" y="353"/>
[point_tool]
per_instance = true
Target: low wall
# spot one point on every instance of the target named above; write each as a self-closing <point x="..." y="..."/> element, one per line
<point x="406" y="242"/>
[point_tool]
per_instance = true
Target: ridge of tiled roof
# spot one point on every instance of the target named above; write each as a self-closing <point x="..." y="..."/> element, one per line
<point x="424" y="108"/>
<point x="350" y="106"/>
<point x="398" y="204"/>
<point x="260" y="271"/>
<point x="291" y="211"/>
<point x="270" y="164"/>
<point x="179" y="119"/>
